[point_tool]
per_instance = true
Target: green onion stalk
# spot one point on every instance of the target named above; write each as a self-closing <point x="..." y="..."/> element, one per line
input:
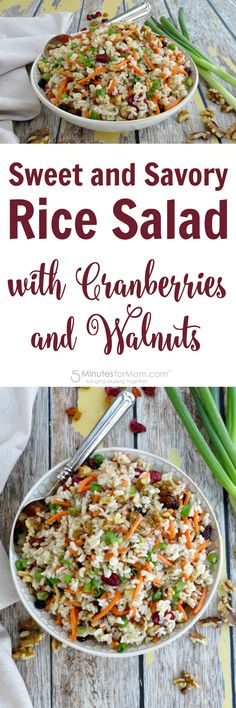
<point x="220" y="452"/>
<point x="207" y="69"/>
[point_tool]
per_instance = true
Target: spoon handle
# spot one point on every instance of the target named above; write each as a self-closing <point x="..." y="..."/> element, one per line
<point x="134" y="14"/>
<point x="122" y="403"/>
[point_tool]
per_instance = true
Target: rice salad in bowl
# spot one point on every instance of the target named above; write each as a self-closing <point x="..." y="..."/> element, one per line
<point x="125" y="555"/>
<point x="121" y="72"/>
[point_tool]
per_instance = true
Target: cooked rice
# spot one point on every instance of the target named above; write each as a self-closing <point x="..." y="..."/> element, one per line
<point x="80" y="555"/>
<point x="117" y="72"/>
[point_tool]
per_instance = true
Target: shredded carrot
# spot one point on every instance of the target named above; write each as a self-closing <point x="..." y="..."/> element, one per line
<point x="135" y="54"/>
<point x="136" y="392"/>
<point x="122" y="550"/>
<point x="178" y="70"/>
<point x="137" y="70"/>
<point x="137" y="587"/>
<point x="148" y="63"/>
<point x="174" y="103"/>
<point x="187" y="496"/>
<point x="79" y="542"/>
<point x="49" y="603"/>
<point x="114" y="601"/>
<point x="111" y="87"/>
<point x="73" y="622"/>
<point x="85" y="481"/>
<point x="172" y="529"/>
<point x="96" y="72"/>
<point x="108" y="555"/>
<point x="61" y="502"/>
<point x="195" y="522"/>
<point x="104" y="595"/>
<point x="164" y="560"/>
<point x="124" y="483"/>
<point x="119" y="613"/>
<point x="148" y="567"/>
<point x="60" y="90"/>
<point x="157" y="582"/>
<point x="188" y="539"/>
<point x="134" y="526"/>
<point x="95" y="498"/>
<point x="181" y="609"/>
<point x="56" y="516"/>
<point x="201" y="602"/>
<point x="119" y="66"/>
<point x="200" y="548"/>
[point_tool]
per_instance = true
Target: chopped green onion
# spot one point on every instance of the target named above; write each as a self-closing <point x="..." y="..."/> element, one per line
<point x="212" y="557"/>
<point x="132" y="490"/>
<point x="95" y="487"/>
<point x="67" y="578"/>
<point x="157" y="595"/>
<point x="162" y="546"/>
<point x="110" y="537"/>
<point x="21" y="564"/>
<point x="171" y="46"/>
<point x="81" y="631"/>
<point x="188" y="81"/>
<point x="177" y="590"/>
<point x="98" y="459"/>
<point x="65" y="561"/>
<point x="42" y="595"/>
<point x="101" y="92"/>
<point x="38" y="574"/>
<point x="51" y="581"/>
<point x="87" y="587"/>
<point x="185" y="509"/>
<point x="154" y="88"/>
<point x="123" y="622"/>
<point x="124" y="580"/>
<point x="122" y="647"/>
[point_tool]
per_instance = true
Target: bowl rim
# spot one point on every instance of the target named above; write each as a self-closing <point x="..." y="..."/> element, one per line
<point x="111" y="653"/>
<point x="107" y="125"/>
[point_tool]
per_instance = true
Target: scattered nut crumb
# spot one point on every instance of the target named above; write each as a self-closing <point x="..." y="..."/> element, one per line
<point x="183" y="115"/>
<point x="224" y="608"/>
<point x="215" y="96"/>
<point x="23" y="653"/>
<point x="226" y="109"/>
<point x="196" y="637"/>
<point x="231" y="131"/>
<point x="40" y="135"/>
<point x="30" y="635"/>
<point x="185" y="682"/>
<point x="204" y="135"/>
<point x="210" y="621"/>
<point x="206" y="114"/>
<point x="73" y="412"/>
<point x="211" y="125"/>
<point x="56" y="645"/>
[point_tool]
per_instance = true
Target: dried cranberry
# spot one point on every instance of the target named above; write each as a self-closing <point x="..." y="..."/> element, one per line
<point x="112" y="391"/>
<point x="33" y="540"/>
<point x="207" y="532"/>
<point x="156" y="618"/>
<point x="169" y="502"/>
<point x="40" y="604"/>
<point x="64" y="107"/>
<point x="64" y="487"/>
<point x="131" y="100"/>
<point x="90" y="463"/>
<point x="30" y="509"/>
<point x="170" y="614"/>
<point x="113" y="580"/>
<point x="82" y="639"/>
<point x="136" y="427"/>
<point x="155" y="476"/>
<point x="164" y="43"/>
<point x="75" y="480"/>
<point x="138" y="471"/>
<point x="103" y="58"/>
<point x="140" y="511"/>
<point x="42" y="83"/>
<point x="89" y="18"/>
<point x="188" y="70"/>
<point x="149" y="391"/>
<point x="83" y="29"/>
<point x="98" y="14"/>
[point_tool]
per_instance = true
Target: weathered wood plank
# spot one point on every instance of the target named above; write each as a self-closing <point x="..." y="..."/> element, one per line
<point x="81" y="680"/>
<point x="165" y="432"/>
<point x="33" y="463"/>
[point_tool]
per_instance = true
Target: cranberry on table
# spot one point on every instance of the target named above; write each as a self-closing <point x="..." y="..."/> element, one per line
<point x="113" y="580"/>
<point x="136" y="427"/>
<point x="110" y="391"/>
<point x="149" y="391"/>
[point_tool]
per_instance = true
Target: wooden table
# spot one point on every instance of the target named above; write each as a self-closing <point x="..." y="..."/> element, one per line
<point x="211" y="24"/>
<point x="73" y="680"/>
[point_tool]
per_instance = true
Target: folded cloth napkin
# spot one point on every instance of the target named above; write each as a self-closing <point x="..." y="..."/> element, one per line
<point x="21" y="40"/>
<point x="16" y="406"/>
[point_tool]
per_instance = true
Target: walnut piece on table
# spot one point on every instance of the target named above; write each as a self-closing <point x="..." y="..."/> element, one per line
<point x="224" y="608"/>
<point x="196" y="637"/>
<point x="39" y="135"/>
<point x="183" y="115"/>
<point x="201" y="134"/>
<point x="30" y="636"/>
<point x="231" y="132"/>
<point x="186" y="682"/>
<point x="210" y="621"/>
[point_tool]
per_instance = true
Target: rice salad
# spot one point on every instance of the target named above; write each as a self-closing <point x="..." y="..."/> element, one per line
<point x="115" y="72"/>
<point x="122" y="553"/>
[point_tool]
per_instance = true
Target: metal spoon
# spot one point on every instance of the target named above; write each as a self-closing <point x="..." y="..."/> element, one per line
<point x="124" y="401"/>
<point x="134" y="14"/>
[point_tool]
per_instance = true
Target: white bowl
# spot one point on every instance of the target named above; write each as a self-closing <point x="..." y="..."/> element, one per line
<point x="91" y="646"/>
<point x="119" y="126"/>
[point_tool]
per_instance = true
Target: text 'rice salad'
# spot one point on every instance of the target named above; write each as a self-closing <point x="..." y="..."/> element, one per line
<point x="116" y="72"/>
<point x="120" y="555"/>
